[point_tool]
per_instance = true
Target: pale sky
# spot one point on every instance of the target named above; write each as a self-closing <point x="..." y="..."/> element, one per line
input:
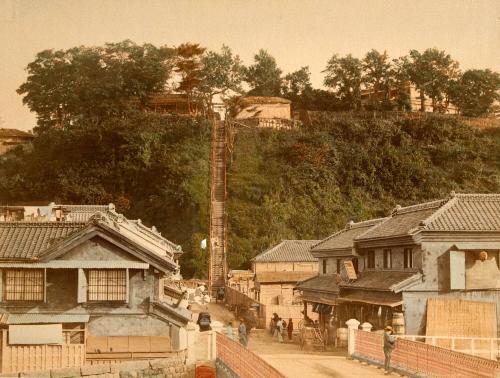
<point x="296" y="32"/>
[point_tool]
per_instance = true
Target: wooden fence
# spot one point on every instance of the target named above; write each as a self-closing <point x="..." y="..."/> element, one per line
<point x="243" y="362"/>
<point x="15" y="358"/>
<point x="242" y="302"/>
<point x="422" y="358"/>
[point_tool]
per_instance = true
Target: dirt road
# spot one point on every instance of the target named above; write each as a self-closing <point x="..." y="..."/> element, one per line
<point x="290" y="359"/>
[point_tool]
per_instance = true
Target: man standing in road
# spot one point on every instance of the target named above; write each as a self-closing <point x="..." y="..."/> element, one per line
<point x="242" y="333"/>
<point x="389" y="343"/>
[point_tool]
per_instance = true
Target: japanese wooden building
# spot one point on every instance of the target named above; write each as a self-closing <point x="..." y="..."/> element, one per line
<point x="84" y="285"/>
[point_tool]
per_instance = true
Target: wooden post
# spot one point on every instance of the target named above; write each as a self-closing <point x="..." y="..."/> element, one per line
<point x="492" y="355"/>
<point x="452" y="343"/>
<point x="472" y="347"/>
<point x="128" y="286"/>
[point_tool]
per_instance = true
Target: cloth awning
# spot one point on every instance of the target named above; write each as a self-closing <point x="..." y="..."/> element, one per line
<point x="315" y="297"/>
<point x="373" y="297"/>
<point x="43" y="318"/>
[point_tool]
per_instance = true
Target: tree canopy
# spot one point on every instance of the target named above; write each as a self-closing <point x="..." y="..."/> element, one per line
<point x="475" y="92"/>
<point x="64" y="86"/>
<point x="264" y="76"/>
<point x="344" y="76"/>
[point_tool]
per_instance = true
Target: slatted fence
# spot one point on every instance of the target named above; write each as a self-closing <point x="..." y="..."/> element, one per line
<point x="423" y="358"/>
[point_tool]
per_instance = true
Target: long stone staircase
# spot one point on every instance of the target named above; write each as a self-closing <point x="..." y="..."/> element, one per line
<point x="217" y="268"/>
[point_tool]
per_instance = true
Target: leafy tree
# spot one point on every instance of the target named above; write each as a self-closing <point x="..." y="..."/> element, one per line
<point x="377" y="70"/>
<point x="188" y="66"/>
<point x="399" y="82"/>
<point x="432" y="72"/>
<point x="344" y="76"/>
<point x="475" y="92"/>
<point x="64" y="86"/>
<point x="220" y="73"/>
<point x="152" y="167"/>
<point x="296" y="84"/>
<point x="264" y="76"/>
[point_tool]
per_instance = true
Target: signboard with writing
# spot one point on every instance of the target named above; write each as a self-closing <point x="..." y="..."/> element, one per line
<point x="349" y="268"/>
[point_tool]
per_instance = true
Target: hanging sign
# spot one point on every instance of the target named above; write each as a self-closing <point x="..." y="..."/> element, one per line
<point x="349" y="268"/>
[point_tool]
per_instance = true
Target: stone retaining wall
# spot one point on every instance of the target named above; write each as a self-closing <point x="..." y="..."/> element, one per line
<point x="159" y="368"/>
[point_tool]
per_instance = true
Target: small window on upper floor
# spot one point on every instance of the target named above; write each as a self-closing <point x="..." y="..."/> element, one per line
<point x="107" y="285"/>
<point x="24" y="285"/>
<point x="408" y="258"/>
<point x="387" y="259"/>
<point x="324" y="266"/>
<point x="370" y="257"/>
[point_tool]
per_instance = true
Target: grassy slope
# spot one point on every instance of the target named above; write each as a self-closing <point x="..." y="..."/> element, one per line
<point x="308" y="183"/>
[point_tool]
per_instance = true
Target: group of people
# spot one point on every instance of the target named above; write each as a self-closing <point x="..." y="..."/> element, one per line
<point x="278" y="327"/>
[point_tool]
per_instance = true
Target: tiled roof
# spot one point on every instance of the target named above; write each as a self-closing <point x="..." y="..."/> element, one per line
<point x="14" y="133"/>
<point x="467" y="212"/>
<point x="322" y="282"/>
<point x="403" y="220"/>
<point x="82" y="213"/>
<point x="31" y="318"/>
<point x="256" y="100"/>
<point x="344" y="239"/>
<point x="271" y="277"/>
<point x="459" y="212"/>
<point x="19" y="240"/>
<point x="288" y="251"/>
<point x="387" y="280"/>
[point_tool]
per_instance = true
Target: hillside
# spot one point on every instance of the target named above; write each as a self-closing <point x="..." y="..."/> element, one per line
<point x="305" y="183"/>
<point x="308" y="183"/>
<point x="151" y="167"/>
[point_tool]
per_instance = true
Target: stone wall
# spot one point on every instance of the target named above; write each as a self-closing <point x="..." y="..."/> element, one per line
<point x="160" y="368"/>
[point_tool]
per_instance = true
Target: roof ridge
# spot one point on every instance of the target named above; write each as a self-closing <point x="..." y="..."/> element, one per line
<point x="367" y="222"/>
<point x="449" y="203"/>
<point x="263" y="253"/>
<point x="329" y="237"/>
<point x="418" y="207"/>
<point x="478" y="195"/>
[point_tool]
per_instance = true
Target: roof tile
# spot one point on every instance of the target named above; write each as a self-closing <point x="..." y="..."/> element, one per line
<point x="288" y="251"/>
<point x="344" y="239"/>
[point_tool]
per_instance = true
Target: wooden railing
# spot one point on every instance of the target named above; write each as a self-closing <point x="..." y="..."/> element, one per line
<point x="273" y="123"/>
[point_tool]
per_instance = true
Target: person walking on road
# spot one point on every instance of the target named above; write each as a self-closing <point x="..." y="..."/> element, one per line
<point x="279" y="328"/>
<point x="242" y="333"/>
<point x="289" y="328"/>
<point x="389" y="344"/>
<point x="229" y="330"/>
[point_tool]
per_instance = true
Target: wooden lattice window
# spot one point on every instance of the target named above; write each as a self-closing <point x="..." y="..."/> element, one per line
<point x="24" y="285"/>
<point x="107" y="285"/>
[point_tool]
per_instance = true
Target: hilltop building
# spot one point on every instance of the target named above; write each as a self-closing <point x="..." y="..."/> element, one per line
<point x="262" y="111"/>
<point x="86" y="284"/>
<point x="174" y="103"/>
<point x="10" y="138"/>
<point x="369" y="95"/>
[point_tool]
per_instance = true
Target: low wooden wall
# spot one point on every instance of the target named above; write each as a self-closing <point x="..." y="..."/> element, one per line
<point x="16" y="358"/>
<point x="422" y="358"/>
